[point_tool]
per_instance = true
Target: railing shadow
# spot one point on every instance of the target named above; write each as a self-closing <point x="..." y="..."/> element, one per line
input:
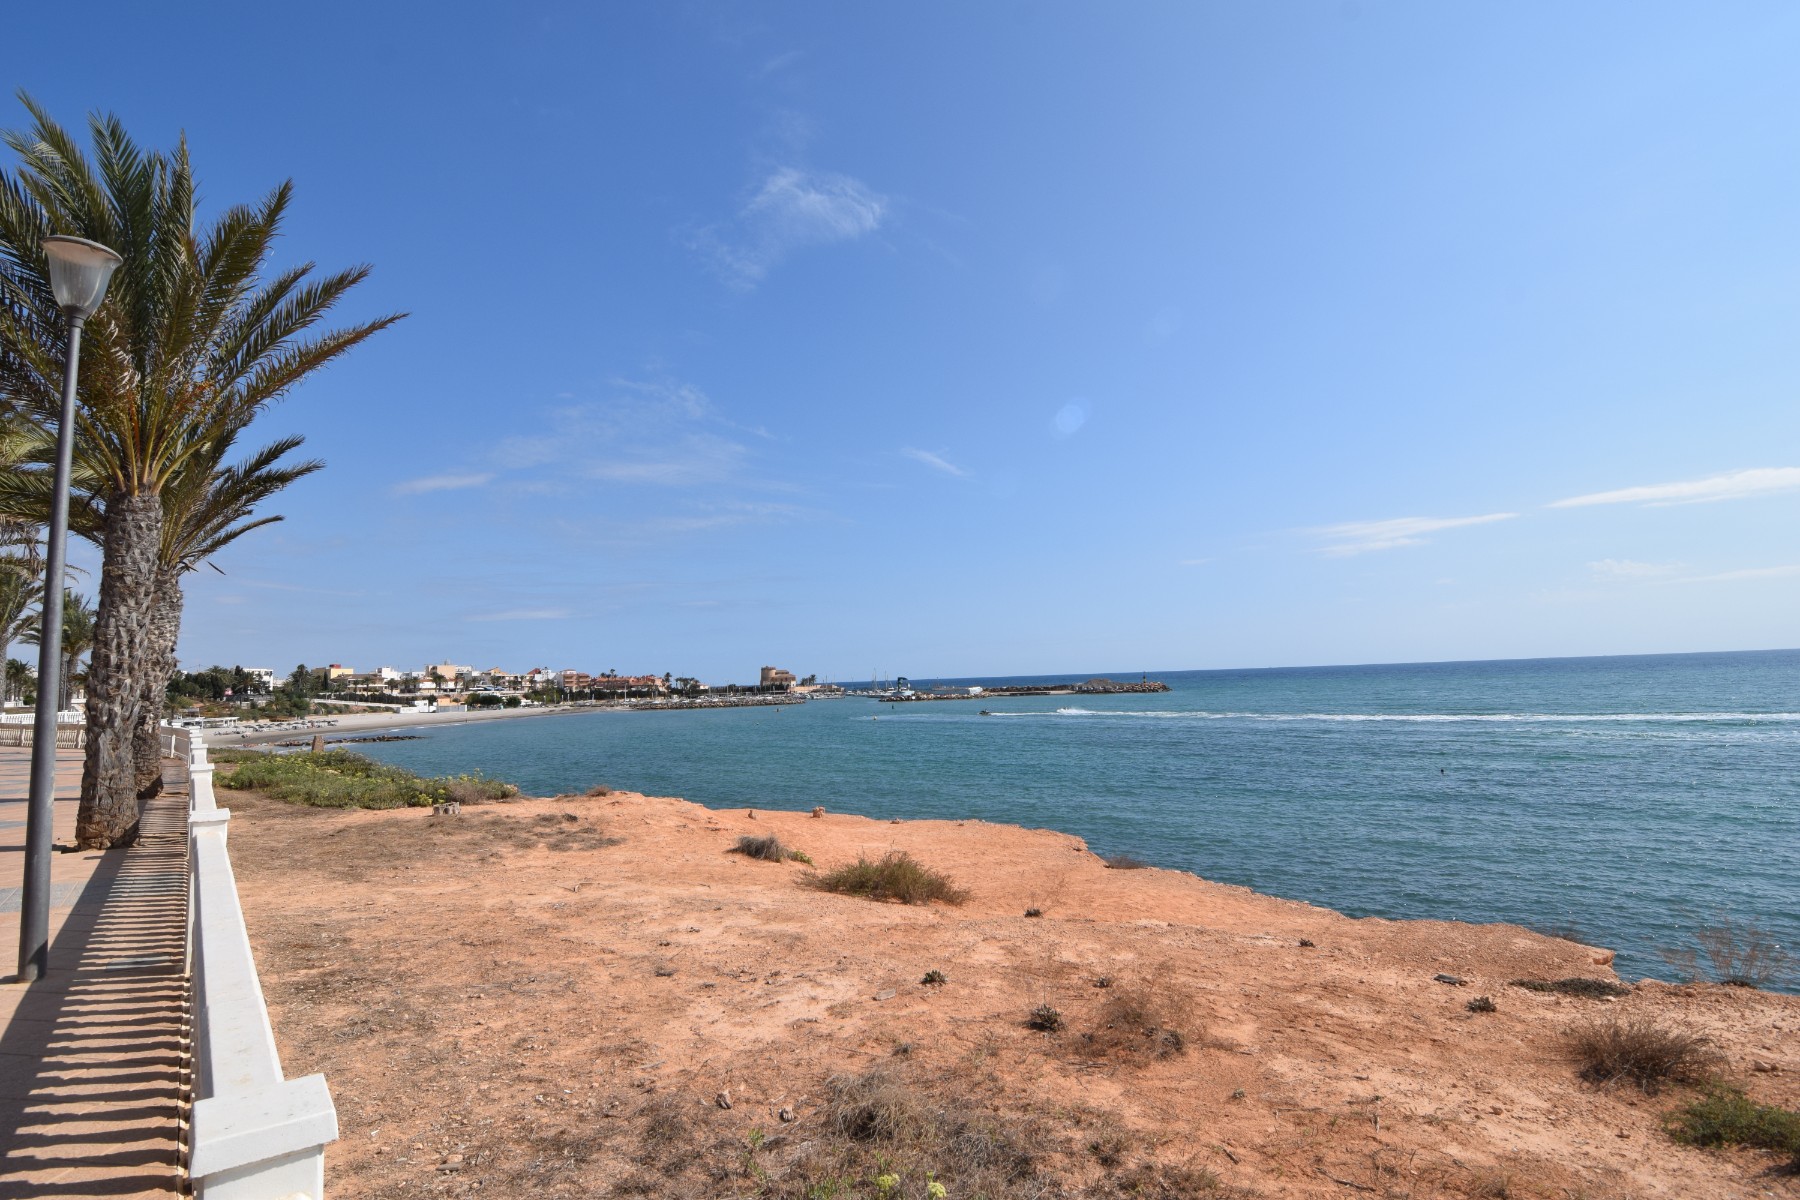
<point x="93" y="1067"/>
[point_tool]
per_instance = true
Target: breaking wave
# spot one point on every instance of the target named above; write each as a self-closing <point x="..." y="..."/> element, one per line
<point x="1687" y="718"/>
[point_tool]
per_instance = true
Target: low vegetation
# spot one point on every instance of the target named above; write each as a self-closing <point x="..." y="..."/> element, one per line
<point x="1125" y="862"/>
<point x="1045" y="1019"/>
<point x="894" y="876"/>
<point x="1137" y="1023"/>
<point x="340" y="779"/>
<point x="1482" y="1004"/>
<point x="1586" y="989"/>
<point x="768" y="848"/>
<point x="897" y="1137"/>
<point x="1734" y="952"/>
<point x="1725" y="1116"/>
<point x="1640" y="1052"/>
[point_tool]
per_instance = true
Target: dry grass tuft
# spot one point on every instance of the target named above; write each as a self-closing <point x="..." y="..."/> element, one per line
<point x="1639" y="1052"/>
<point x="1171" y="1181"/>
<point x="894" y="876"/>
<point x="1137" y="1023"/>
<point x="597" y="791"/>
<point x="915" y="1129"/>
<point x="767" y="848"/>
<point x="1737" y="953"/>
<point x="875" y="1107"/>
<point x="665" y="1134"/>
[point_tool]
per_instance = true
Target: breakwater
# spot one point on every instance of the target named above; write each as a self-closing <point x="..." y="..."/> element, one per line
<point x="1093" y="687"/>
<point x="675" y="704"/>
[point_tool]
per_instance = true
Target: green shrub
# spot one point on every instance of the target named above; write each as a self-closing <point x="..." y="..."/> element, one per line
<point x="340" y="779"/>
<point x="1727" y="1117"/>
<point x="895" y="876"/>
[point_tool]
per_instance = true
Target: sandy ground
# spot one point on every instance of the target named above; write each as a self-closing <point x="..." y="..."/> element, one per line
<point x="560" y="997"/>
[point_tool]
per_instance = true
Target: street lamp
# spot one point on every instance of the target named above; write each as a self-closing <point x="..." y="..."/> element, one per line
<point x="79" y="273"/>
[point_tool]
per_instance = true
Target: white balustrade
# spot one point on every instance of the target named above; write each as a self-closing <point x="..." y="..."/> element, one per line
<point x="255" y="1135"/>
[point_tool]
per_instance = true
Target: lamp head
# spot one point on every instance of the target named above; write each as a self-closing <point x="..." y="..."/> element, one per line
<point x="79" y="272"/>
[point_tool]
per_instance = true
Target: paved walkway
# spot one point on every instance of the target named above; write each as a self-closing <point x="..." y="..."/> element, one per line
<point x="93" y="1056"/>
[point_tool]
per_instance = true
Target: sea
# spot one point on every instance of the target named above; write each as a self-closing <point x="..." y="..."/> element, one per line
<point x="1626" y="801"/>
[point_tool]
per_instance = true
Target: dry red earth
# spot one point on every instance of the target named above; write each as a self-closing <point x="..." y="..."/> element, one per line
<point x="558" y="997"/>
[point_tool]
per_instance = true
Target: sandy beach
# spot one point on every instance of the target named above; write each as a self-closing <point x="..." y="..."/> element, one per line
<point x="334" y="726"/>
<point x="593" y="996"/>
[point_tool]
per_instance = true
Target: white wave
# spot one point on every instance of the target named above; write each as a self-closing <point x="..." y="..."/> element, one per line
<point x="1732" y="718"/>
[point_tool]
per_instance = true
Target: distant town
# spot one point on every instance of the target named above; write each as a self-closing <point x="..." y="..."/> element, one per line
<point x="261" y="692"/>
<point x="446" y="684"/>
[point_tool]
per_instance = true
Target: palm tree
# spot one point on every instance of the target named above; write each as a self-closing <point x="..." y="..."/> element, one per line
<point x="190" y="346"/>
<point x="21" y="568"/>
<point x="20" y="595"/>
<point x="77" y="638"/>
<point x="206" y="507"/>
<point x="18" y="674"/>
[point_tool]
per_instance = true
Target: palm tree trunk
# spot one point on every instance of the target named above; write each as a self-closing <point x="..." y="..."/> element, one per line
<point x="165" y="631"/>
<point x="122" y="644"/>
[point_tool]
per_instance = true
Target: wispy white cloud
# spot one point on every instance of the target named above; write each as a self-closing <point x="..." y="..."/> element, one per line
<point x="697" y="518"/>
<point x="275" y="585"/>
<point x="1362" y="537"/>
<point x="443" y="483"/>
<point x="656" y="432"/>
<point x="524" y="614"/>
<point x="935" y="461"/>
<point x="1787" y="571"/>
<point x="1732" y="485"/>
<point x="1625" y="570"/>
<point x="780" y="63"/>
<point x="692" y="459"/>
<point x="790" y="210"/>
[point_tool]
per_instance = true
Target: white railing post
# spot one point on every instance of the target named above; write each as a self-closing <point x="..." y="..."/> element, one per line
<point x="255" y="1135"/>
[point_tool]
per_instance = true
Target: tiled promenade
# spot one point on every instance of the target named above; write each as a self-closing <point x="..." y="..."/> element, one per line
<point x="92" y="1056"/>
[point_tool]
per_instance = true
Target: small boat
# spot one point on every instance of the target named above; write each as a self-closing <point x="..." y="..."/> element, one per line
<point x="986" y="713"/>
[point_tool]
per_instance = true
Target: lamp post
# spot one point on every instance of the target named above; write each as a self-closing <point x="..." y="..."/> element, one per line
<point x="79" y="273"/>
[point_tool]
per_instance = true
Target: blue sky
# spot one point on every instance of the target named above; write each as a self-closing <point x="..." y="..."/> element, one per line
<point x="1007" y="338"/>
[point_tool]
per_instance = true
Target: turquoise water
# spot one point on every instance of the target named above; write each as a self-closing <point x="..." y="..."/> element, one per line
<point x="1625" y="797"/>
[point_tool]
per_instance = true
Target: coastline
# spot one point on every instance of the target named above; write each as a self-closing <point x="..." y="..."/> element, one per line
<point x="622" y="979"/>
<point x="350" y="724"/>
